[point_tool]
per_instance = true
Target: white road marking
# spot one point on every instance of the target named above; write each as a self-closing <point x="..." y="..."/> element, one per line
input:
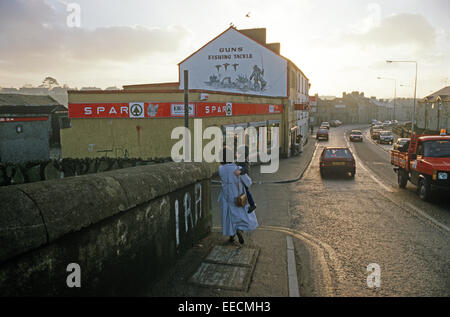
<point x="423" y="214"/>
<point x="292" y="269"/>
<point x="386" y="188"/>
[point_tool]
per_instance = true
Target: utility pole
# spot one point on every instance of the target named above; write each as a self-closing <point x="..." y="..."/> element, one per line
<point x="415" y="89"/>
<point x="186" y="99"/>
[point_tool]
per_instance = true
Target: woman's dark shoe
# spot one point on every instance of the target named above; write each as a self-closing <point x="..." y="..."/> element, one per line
<point x="251" y="208"/>
<point x="240" y="237"/>
<point x="231" y="239"/>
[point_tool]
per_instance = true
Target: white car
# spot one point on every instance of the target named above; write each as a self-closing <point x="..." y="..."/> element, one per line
<point x="326" y="125"/>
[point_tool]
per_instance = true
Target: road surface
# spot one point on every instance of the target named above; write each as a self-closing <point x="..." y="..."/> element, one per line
<point x="370" y="221"/>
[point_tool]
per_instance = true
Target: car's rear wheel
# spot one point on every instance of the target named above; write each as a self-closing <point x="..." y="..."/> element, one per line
<point x="424" y="189"/>
<point x="402" y="179"/>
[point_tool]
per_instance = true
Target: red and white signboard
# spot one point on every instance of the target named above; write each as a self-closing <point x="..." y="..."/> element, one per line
<point x="22" y="119"/>
<point x="177" y="109"/>
<point x="168" y="110"/>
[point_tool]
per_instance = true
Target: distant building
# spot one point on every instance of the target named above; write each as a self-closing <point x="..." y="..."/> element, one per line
<point x="433" y="111"/>
<point x="348" y="109"/>
<point x="354" y="107"/>
<point x="29" y="125"/>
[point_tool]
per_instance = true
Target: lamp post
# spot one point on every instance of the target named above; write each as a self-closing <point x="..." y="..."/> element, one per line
<point x="415" y="89"/>
<point x="395" y="91"/>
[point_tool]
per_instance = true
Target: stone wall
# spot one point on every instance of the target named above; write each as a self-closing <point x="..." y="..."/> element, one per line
<point x="35" y="171"/>
<point x="123" y="228"/>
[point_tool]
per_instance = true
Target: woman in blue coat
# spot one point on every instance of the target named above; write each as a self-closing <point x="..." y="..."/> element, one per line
<point x="235" y="219"/>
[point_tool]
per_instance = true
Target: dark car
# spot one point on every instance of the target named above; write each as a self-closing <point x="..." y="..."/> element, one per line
<point x="356" y="135"/>
<point x="322" y="133"/>
<point x="337" y="159"/>
<point x="402" y="144"/>
<point x="386" y="137"/>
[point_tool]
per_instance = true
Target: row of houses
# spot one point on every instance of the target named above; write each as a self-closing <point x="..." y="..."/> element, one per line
<point x="433" y="111"/>
<point x="354" y="107"/>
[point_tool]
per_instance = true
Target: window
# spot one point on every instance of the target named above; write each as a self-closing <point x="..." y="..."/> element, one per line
<point x="420" y="148"/>
<point x="437" y="148"/>
<point x="338" y="153"/>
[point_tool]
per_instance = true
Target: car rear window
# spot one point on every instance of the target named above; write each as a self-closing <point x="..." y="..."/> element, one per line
<point x="386" y="133"/>
<point x="356" y="132"/>
<point x="338" y="153"/>
<point x="322" y="131"/>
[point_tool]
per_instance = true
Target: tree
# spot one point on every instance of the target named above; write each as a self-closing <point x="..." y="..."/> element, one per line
<point x="49" y="82"/>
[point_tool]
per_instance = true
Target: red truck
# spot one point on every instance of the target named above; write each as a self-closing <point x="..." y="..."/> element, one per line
<point x="425" y="163"/>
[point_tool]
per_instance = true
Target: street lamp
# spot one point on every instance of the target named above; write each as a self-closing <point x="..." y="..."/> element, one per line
<point x="395" y="91"/>
<point x="415" y="89"/>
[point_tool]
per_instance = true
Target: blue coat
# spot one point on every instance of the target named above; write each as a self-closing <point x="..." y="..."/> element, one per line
<point x="234" y="217"/>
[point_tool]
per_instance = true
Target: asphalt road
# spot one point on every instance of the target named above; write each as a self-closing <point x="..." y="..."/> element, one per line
<point x="366" y="220"/>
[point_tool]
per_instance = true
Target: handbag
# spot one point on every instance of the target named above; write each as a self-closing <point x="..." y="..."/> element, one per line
<point x="241" y="200"/>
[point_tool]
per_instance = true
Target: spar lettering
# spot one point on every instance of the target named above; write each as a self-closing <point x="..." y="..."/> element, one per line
<point x="215" y="109"/>
<point x="97" y="110"/>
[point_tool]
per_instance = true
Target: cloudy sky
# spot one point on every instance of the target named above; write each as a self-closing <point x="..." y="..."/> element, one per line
<point x="340" y="45"/>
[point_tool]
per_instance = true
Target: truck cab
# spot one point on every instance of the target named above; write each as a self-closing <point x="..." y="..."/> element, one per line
<point x="426" y="164"/>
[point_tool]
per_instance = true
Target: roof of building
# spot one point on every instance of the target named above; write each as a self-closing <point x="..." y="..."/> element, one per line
<point x="440" y="95"/>
<point x="170" y="85"/>
<point x="27" y="100"/>
<point x="34" y="110"/>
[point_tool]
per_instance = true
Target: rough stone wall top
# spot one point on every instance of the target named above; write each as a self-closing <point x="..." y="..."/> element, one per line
<point x="38" y="213"/>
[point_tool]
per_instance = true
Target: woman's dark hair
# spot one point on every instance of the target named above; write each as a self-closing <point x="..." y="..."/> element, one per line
<point x="227" y="155"/>
<point x="245" y="150"/>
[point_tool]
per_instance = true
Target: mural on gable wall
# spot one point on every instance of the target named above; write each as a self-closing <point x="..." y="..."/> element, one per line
<point x="235" y="63"/>
<point x="232" y="78"/>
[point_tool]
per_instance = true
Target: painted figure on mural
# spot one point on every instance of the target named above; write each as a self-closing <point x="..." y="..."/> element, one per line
<point x="257" y="75"/>
<point x="235" y="219"/>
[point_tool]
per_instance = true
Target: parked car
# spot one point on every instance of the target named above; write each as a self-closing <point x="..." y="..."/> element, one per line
<point x="387" y="124"/>
<point x="335" y="123"/>
<point x="337" y="159"/>
<point x="386" y="137"/>
<point x="375" y="131"/>
<point x="322" y="133"/>
<point x="376" y="122"/>
<point x="356" y="135"/>
<point x="394" y="122"/>
<point x="402" y="144"/>
<point x="325" y="124"/>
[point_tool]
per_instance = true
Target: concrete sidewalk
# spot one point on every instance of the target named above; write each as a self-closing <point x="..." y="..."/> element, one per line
<point x="272" y="271"/>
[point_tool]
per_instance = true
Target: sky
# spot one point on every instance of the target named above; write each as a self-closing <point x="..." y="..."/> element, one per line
<point x="341" y="46"/>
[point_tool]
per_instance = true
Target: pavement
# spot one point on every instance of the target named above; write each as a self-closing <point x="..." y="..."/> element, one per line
<point x="267" y="264"/>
